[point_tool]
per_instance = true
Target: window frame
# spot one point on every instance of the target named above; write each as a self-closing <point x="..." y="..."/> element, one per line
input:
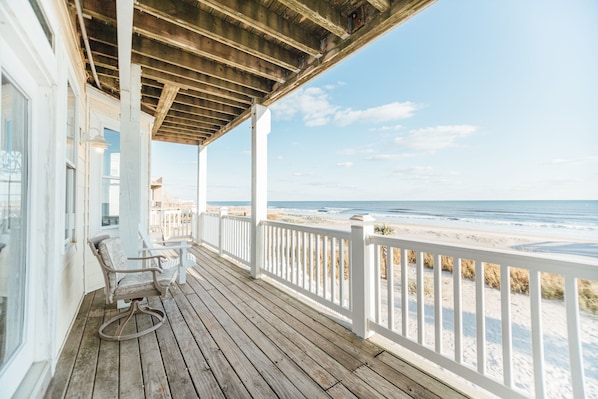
<point x="70" y="200"/>
<point x="109" y="181"/>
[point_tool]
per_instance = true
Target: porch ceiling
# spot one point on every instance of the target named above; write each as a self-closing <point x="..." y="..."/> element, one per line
<point x="204" y="62"/>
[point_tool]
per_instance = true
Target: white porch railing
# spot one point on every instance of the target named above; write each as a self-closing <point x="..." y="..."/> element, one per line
<point x="311" y="261"/>
<point x="173" y="223"/>
<point x="397" y="288"/>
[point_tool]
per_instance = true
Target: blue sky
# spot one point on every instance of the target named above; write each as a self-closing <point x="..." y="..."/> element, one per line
<point x="467" y="100"/>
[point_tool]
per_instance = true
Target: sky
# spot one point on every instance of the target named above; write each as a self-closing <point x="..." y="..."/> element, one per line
<point x="467" y="100"/>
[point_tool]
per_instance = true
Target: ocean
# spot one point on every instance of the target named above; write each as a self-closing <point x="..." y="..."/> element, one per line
<point x="566" y="219"/>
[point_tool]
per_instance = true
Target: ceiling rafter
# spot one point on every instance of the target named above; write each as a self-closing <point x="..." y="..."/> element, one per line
<point x="205" y="62"/>
<point x="322" y="13"/>
<point x="169" y="93"/>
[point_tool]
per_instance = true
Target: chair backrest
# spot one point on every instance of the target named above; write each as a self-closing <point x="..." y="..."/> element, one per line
<point x="111" y="257"/>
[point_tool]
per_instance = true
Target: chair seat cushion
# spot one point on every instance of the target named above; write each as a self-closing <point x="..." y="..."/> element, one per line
<point x="136" y="283"/>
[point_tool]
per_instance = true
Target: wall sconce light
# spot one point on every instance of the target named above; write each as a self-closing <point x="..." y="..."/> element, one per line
<point x="98" y="141"/>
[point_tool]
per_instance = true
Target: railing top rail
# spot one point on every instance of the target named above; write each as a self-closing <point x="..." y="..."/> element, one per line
<point x="559" y="264"/>
<point x="341" y="234"/>
<point x="237" y="217"/>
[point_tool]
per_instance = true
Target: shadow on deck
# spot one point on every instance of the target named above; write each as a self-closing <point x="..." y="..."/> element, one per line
<point x="228" y="335"/>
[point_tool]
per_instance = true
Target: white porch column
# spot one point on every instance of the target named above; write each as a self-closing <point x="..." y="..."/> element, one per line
<point x="202" y="189"/>
<point x="260" y="128"/>
<point x="130" y="161"/>
<point x="362" y="283"/>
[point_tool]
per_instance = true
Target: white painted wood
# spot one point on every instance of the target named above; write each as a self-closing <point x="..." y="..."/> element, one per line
<point x="480" y="314"/>
<point x="132" y="183"/>
<point x="377" y="292"/>
<point x="260" y="128"/>
<point x="535" y="296"/>
<point x="124" y="17"/>
<point x="202" y="188"/>
<point x="420" y="297"/>
<point x="221" y="233"/>
<point x="404" y="292"/>
<point x="507" y="332"/>
<point x="361" y="258"/>
<point x="438" y="347"/>
<point x="575" y="354"/>
<point x="390" y="288"/>
<point x="458" y="309"/>
<point x="333" y="290"/>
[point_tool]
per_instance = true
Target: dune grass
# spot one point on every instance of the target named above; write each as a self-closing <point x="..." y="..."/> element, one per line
<point x="552" y="285"/>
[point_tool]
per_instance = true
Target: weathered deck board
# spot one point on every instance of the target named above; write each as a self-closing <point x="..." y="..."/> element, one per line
<point x="229" y="336"/>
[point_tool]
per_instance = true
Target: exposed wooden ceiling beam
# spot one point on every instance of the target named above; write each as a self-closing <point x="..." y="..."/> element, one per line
<point x="191" y="123"/>
<point x="167" y="33"/>
<point x="381" y="5"/>
<point x="322" y="13"/>
<point x="261" y="18"/>
<point x="187" y="129"/>
<point x="166" y="99"/>
<point x="196" y="20"/>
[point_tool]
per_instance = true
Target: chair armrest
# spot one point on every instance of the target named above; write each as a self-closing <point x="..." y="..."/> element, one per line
<point x="167" y="248"/>
<point x="148" y="257"/>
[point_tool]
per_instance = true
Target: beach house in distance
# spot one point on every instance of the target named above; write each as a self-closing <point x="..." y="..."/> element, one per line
<point x="86" y="85"/>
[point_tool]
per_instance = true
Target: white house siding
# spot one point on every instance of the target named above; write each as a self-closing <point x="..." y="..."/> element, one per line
<point x="58" y="273"/>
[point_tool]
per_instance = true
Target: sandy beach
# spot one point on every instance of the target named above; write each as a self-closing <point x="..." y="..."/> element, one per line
<point x="558" y="382"/>
<point x="476" y="238"/>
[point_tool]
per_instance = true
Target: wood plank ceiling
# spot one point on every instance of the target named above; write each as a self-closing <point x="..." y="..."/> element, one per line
<point x="204" y="62"/>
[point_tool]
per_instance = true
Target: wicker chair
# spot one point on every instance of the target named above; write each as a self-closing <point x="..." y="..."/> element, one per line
<point x="130" y="285"/>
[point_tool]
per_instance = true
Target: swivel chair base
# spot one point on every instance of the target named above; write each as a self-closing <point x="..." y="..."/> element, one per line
<point x="135" y="308"/>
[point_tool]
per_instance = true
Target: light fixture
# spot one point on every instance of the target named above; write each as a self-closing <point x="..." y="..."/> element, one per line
<point x="98" y="141"/>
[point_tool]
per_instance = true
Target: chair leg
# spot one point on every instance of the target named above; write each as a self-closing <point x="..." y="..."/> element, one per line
<point x="135" y="308"/>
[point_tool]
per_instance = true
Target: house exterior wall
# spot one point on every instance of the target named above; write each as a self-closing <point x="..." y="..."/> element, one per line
<point x="58" y="273"/>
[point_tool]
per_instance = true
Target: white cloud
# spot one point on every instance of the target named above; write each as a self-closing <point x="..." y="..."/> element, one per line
<point x="386" y="128"/>
<point x="563" y="161"/>
<point x="383" y="113"/>
<point x="344" y="164"/>
<point x="279" y="157"/>
<point x="432" y="139"/>
<point x="316" y="109"/>
<point x="387" y="157"/>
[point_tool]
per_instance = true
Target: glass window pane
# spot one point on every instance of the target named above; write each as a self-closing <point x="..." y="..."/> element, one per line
<point x="110" y="201"/>
<point x="13" y="199"/>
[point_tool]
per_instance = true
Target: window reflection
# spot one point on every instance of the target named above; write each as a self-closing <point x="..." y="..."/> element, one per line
<point x="13" y="199"/>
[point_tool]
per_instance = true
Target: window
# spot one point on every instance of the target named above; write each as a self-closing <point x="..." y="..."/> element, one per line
<point x="111" y="179"/>
<point x="14" y="132"/>
<point x="71" y="172"/>
<point x="43" y="21"/>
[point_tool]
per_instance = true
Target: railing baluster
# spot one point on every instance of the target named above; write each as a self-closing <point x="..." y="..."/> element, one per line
<point x="458" y="310"/>
<point x="333" y="269"/>
<point x="419" y="264"/>
<point x="404" y="293"/>
<point x="535" y="296"/>
<point x="507" y="336"/>
<point x="342" y="272"/>
<point x="326" y="267"/>
<point x="311" y="262"/>
<point x="377" y="292"/>
<point x="390" y="288"/>
<point x="575" y="354"/>
<point x="480" y="314"/>
<point x="438" y="304"/>
<point x="318" y="265"/>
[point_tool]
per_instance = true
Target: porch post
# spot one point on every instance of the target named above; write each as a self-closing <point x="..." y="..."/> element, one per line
<point x="221" y="215"/>
<point x="131" y="181"/>
<point x="260" y="128"/>
<point x="202" y="189"/>
<point x="362" y="260"/>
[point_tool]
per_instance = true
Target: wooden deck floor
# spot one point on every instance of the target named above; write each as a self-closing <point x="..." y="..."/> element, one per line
<point x="229" y="336"/>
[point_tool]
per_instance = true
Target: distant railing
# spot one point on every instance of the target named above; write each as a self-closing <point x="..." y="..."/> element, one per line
<point x="173" y="223"/>
<point x="210" y="230"/>
<point x="311" y="261"/>
<point x="406" y="291"/>
<point x="236" y="238"/>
